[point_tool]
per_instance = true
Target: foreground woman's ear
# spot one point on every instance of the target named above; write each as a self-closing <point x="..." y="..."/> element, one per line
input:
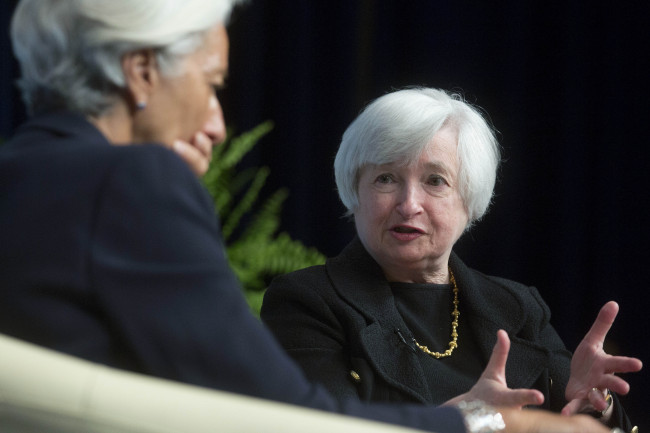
<point x="141" y="75"/>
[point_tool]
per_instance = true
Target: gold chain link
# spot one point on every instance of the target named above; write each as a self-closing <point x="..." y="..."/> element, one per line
<point x="454" y="326"/>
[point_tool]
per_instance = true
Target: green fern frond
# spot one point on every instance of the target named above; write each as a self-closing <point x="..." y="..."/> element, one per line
<point x="246" y="202"/>
<point x="229" y="153"/>
<point x="273" y="257"/>
<point x="221" y="194"/>
<point x="233" y="183"/>
<point x="239" y="146"/>
<point x="256" y="252"/>
<point x="267" y="220"/>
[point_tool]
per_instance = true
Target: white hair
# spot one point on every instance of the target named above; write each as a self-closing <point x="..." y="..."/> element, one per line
<point x="398" y="126"/>
<point x="70" y="51"/>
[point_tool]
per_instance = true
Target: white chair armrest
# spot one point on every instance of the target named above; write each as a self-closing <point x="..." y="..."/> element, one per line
<point x="46" y="391"/>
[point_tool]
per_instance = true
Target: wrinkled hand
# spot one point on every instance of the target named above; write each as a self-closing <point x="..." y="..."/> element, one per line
<point x="541" y="421"/>
<point x="592" y="368"/>
<point x="197" y="153"/>
<point x="492" y="388"/>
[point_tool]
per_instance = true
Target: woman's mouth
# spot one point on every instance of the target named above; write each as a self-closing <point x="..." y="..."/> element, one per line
<point x="406" y="233"/>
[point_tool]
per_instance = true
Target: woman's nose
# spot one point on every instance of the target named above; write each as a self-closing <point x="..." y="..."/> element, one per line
<point x="215" y="126"/>
<point x="410" y="202"/>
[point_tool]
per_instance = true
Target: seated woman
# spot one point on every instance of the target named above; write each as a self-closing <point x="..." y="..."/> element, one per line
<point x="397" y="316"/>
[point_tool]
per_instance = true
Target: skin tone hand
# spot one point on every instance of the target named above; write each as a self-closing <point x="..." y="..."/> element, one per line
<point x="197" y="153"/>
<point x="540" y="421"/>
<point x="492" y="388"/>
<point x="592" y="368"/>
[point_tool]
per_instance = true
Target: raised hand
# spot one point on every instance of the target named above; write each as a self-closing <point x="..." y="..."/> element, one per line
<point x="492" y="388"/>
<point x="592" y="368"/>
<point x="197" y="153"/>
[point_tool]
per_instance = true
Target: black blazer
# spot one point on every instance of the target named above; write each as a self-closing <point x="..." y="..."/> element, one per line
<point x="113" y="254"/>
<point x="339" y="321"/>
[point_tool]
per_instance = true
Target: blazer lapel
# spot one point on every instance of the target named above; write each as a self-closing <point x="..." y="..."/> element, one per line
<point x="360" y="281"/>
<point x="494" y="306"/>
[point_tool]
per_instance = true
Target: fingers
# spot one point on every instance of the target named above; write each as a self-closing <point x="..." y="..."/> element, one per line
<point x="597" y="398"/>
<point x="492" y="384"/>
<point x="522" y="397"/>
<point x="203" y="144"/>
<point x="611" y="365"/>
<point x="602" y="324"/>
<point x="572" y="407"/>
<point x="623" y="364"/>
<point x="193" y="156"/>
<point x="614" y="384"/>
<point x="496" y="367"/>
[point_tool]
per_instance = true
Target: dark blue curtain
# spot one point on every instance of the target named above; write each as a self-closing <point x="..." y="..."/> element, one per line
<point x="565" y="83"/>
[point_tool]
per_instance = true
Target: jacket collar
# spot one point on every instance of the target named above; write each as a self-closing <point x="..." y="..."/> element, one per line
<point x="60" y="124"/>
<point x="360" y="281"/>
<point x="494" y="305"/>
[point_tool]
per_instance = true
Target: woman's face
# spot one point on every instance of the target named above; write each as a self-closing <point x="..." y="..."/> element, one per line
<point x="185" y="104"/>
<point x="410" y="216"/>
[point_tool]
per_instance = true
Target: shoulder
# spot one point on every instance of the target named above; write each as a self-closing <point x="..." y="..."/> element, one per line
<point x="497" y="288"/>
<point x="495" y="296"/>
<point x="148" y="168"/>
<point x="302" y="283"/>
<point x="350" y="267"/>
<point x="158" y="160"/>
<point x="153" y="172"/>
<point x="307" y="292"/>
<point x="149" y="200"/>
<point x="528" y="295"/>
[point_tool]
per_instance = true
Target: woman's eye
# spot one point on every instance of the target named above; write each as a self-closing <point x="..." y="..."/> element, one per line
<point x="384" y="178"/>
<point x="436" y="181"/>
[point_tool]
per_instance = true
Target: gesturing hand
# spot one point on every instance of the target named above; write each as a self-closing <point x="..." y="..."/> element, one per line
<point x="592" y="368"/>
<point x="492" y="388"/>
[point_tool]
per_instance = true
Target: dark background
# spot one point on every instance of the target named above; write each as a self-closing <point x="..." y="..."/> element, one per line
<point x="565" y="84"/>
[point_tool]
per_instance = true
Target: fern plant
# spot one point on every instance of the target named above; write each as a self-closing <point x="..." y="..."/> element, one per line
<point x="256" y="251"/>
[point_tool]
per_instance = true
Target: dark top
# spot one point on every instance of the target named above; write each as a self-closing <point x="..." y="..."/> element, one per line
<point x="113" y="254"/>
<point x="340" y="322"/>
<point x="426" y="310"/>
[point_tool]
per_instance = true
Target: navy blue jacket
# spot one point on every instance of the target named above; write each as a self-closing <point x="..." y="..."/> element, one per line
<point x="114" y="254"/>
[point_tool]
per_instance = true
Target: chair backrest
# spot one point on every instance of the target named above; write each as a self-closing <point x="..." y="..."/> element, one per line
<point x="45" y="391"/>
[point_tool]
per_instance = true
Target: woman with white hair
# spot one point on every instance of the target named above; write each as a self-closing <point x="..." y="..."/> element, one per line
<point x="122" y="66"/>
<point x="110" y="249"/>
<point x="397" y="316"/>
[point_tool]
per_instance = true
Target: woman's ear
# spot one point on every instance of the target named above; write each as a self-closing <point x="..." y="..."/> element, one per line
<point x="141" y="76"/>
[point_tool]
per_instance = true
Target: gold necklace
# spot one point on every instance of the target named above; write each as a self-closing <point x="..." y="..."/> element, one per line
<point x="454" y="327"/>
